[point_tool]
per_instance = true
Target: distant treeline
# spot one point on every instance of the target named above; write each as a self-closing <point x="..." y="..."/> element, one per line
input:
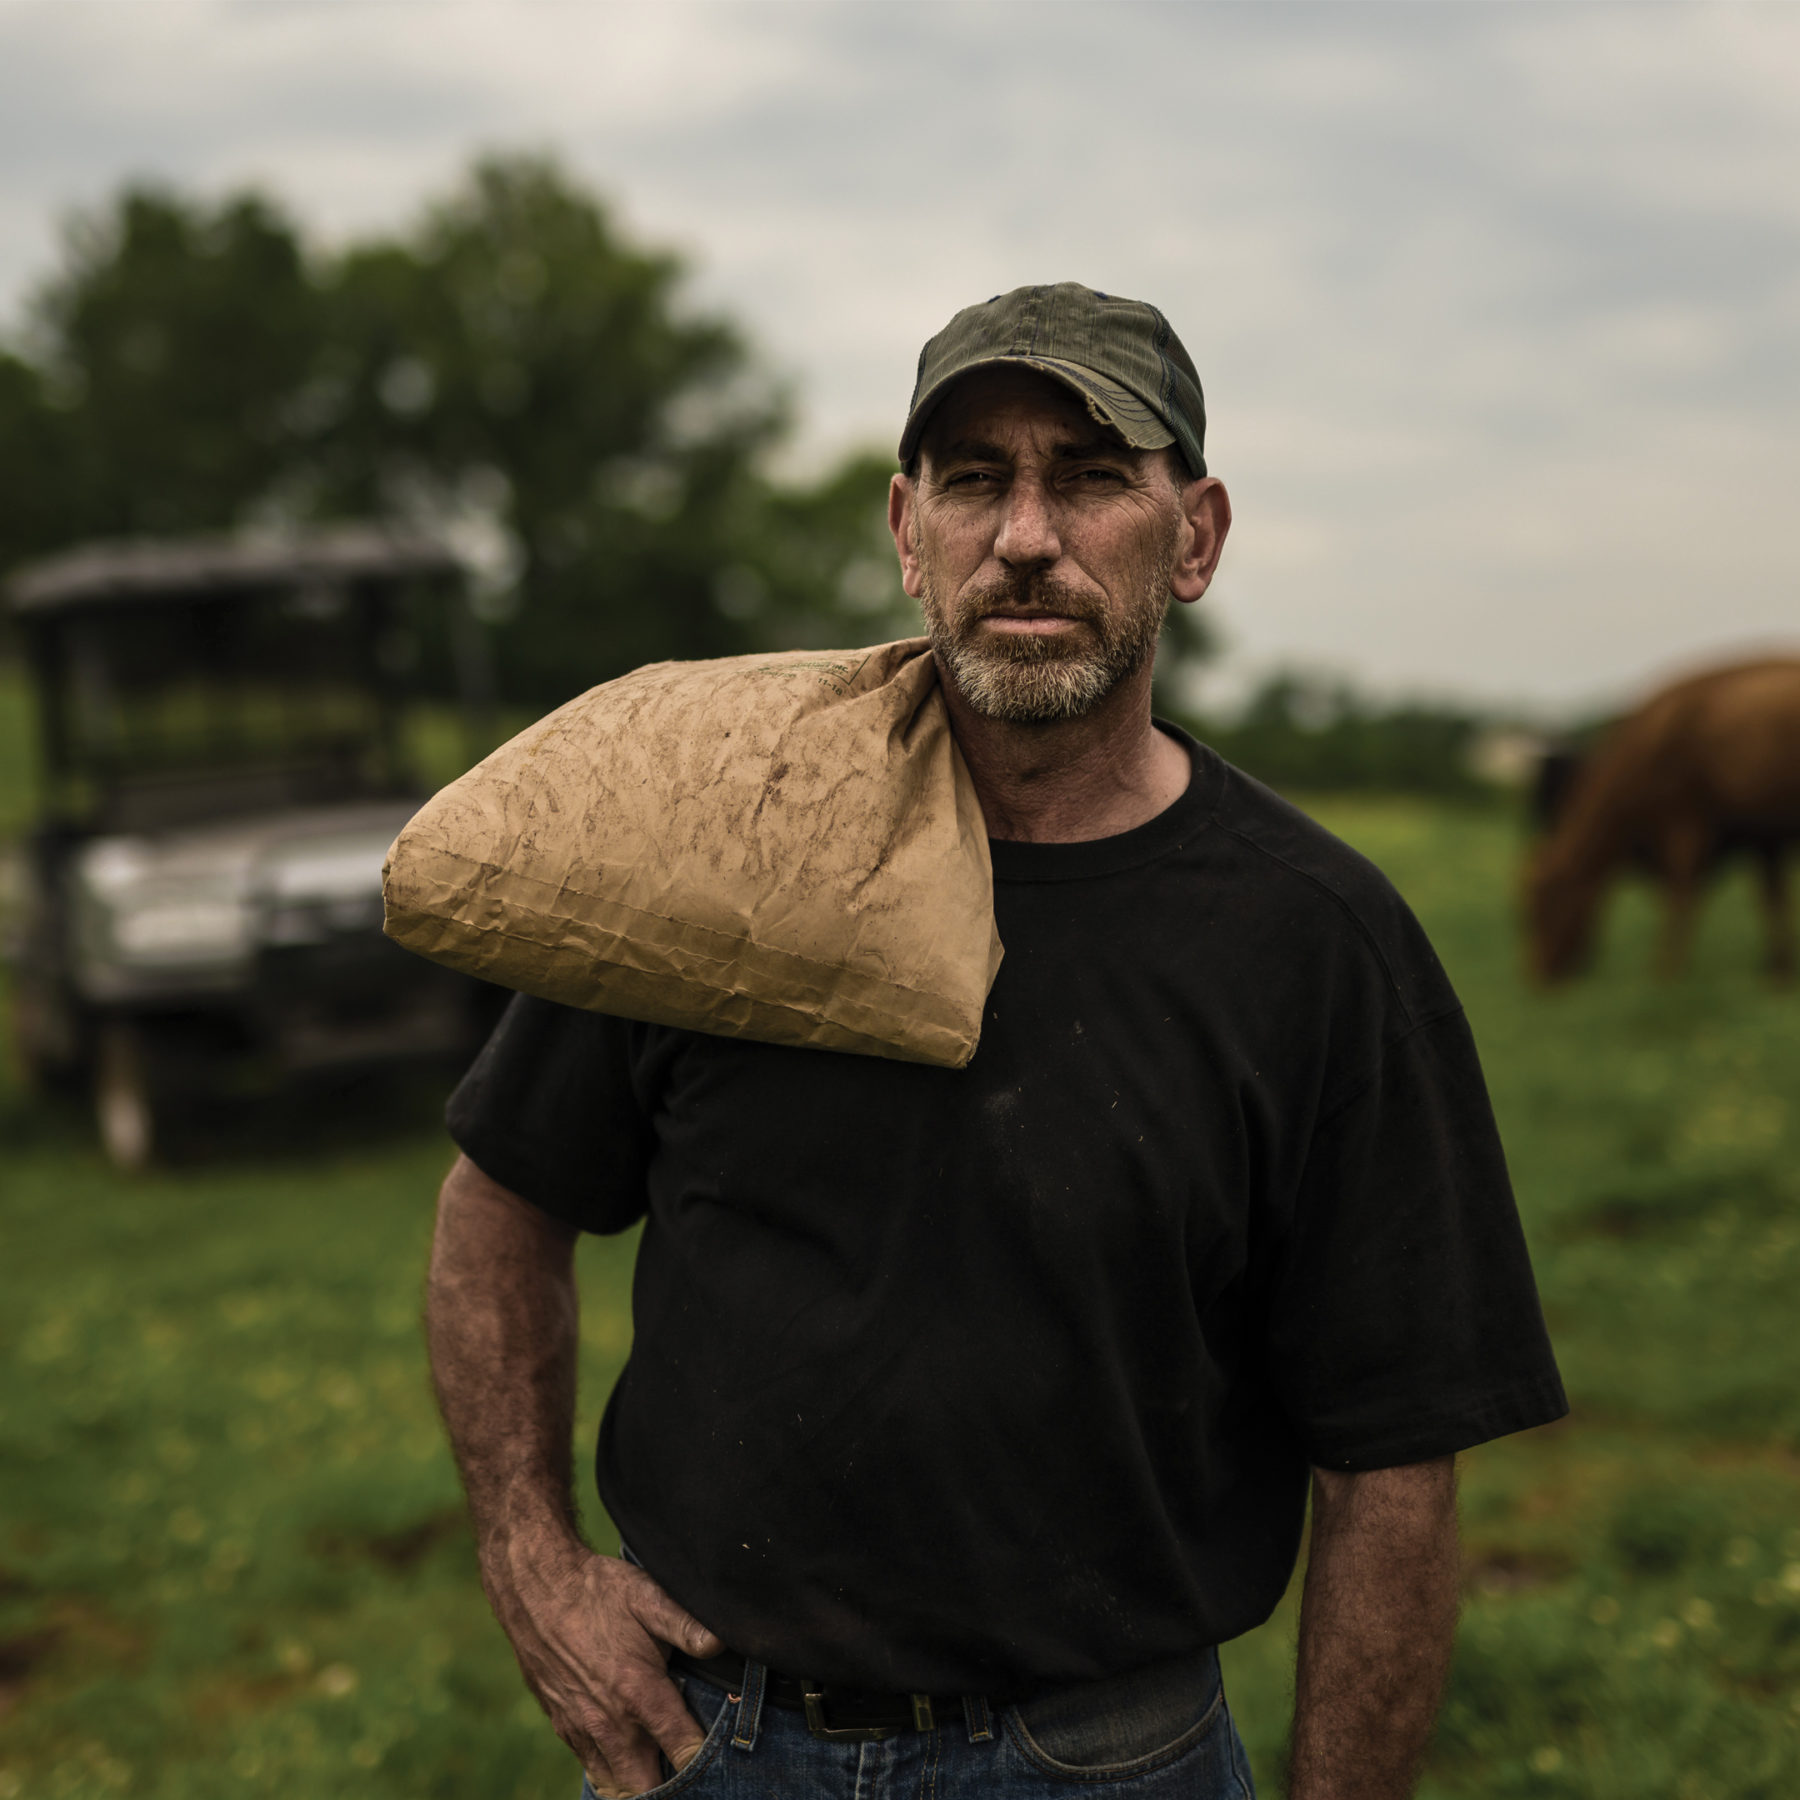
<point x="508" y="367"/>
<point x="1298" y="734"/>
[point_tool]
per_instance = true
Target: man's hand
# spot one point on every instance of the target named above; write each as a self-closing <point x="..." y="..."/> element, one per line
<point x="501" y="1316"/>
<point x="589" y="1633"/>
<point x="1377" y="1624"/>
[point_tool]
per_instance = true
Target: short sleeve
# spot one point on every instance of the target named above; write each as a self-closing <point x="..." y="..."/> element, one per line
<point x="548" y="1109"/>
<point x="1404" y="1321"/>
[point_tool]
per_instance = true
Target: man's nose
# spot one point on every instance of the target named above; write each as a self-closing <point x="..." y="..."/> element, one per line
<point x="1027" y="531"/>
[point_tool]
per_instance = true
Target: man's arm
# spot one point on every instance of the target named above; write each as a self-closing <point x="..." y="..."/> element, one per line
<point x="1377" y="1623"/>
<point x="501" y="1319"/>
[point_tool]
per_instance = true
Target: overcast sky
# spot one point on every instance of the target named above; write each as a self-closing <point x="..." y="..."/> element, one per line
<point x="1497" y="306"/>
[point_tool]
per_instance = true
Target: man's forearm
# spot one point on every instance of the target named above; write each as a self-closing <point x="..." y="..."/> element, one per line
<point x="1377" y="1625"/>
<point x="502" y="1317"/>
<point x="589" y="1631"/>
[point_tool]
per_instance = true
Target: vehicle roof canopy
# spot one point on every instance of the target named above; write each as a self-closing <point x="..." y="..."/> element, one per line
<point x="134" y="571"/>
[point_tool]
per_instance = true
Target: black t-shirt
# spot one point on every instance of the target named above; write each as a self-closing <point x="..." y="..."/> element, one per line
<point x="996" y="1378"/>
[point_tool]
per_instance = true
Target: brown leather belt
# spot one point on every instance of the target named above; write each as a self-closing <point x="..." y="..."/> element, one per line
<point x="831" y="1712"/>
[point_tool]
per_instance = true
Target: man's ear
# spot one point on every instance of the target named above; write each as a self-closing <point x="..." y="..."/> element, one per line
<point x="1205" y="519"/>
<point x="903" y="496"/>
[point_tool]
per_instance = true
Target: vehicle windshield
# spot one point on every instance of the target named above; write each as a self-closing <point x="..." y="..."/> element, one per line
<point x="196" y="707"/>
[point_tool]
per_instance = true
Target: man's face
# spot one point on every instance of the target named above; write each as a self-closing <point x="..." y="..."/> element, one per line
<point x="1043" y="547"/>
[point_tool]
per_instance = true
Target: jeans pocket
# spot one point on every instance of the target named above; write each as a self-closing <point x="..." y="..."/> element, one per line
<point x="1131" y="1725"/>
<point x="699" y="1695"/>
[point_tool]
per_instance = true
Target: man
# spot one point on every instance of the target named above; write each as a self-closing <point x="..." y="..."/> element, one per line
<point x="968" y="1411"/>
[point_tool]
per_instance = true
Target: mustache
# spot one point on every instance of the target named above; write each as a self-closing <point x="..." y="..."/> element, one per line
<point x="1027" y="589"/>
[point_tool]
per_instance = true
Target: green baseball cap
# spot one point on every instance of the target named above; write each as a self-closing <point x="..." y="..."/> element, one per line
<point x="1121" y="356"/>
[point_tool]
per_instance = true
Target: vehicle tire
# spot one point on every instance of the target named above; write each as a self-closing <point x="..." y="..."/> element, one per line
<point x="125" y="1100"/>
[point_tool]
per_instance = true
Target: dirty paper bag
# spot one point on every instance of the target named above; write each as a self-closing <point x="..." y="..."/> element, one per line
<point x="785" y="848"/>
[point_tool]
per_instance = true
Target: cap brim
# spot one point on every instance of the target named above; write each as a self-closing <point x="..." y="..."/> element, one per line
<point x="1112" y="405"/>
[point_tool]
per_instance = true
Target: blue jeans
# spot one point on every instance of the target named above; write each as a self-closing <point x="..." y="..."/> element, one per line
<point x="1167" y="1740"/>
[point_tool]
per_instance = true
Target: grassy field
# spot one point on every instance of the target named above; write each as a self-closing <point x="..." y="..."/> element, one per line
<point x="231" y="1554"/>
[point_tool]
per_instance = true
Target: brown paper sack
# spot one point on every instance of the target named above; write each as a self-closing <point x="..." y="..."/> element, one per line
<point x="786" y="848"/>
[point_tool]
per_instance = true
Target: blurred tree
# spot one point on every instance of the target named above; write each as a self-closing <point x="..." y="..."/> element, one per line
<point x="1300" y="733"/>
<point x="818" y="566"/>
<point x="508" y="370"/>
<point x="513" y="371"/>
<point x="36" y="491"/>
<point x="170" y="345"/>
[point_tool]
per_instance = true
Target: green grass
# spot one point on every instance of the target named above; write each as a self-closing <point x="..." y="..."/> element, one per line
<point x="232" y="1558"/>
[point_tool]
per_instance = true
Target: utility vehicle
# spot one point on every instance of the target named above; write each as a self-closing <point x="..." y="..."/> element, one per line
<point x="222" y="743"/>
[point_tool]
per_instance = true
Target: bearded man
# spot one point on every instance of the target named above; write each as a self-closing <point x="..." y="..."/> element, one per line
<point x="969" y="1411"/>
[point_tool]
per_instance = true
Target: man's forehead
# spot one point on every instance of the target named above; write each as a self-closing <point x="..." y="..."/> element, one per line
<point x="987" y="404"/>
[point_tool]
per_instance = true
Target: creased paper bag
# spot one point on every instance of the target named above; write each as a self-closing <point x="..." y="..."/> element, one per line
<point x="786" y="848"/>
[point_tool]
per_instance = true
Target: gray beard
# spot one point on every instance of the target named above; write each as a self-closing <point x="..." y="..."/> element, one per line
<point x="1028" y="680"/>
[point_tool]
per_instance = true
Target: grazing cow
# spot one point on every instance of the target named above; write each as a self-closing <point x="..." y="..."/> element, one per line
<point x="1706" y="767"/>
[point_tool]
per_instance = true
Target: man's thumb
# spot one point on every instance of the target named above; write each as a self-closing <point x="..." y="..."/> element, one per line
<point x="682" y="1757"/>
<point x="675" y="1625"/>
<point x="696" y="1640"/>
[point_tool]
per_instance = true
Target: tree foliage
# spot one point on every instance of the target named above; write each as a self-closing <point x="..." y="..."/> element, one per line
<point x="513" y="361"/>
<point x="38" y="500"/>
<point x="509" y="369"/>
<point x="171" y="342"/>
<point x="1303" y="734"/>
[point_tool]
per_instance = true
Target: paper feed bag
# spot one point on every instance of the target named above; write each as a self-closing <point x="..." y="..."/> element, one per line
<point x="786" y="848"/>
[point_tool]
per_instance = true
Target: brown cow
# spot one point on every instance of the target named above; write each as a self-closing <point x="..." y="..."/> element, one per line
<point x="1709" y="765"/>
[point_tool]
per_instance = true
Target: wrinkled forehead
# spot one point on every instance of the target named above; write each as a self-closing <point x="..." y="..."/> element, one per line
<point x="1010" y="405"/>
